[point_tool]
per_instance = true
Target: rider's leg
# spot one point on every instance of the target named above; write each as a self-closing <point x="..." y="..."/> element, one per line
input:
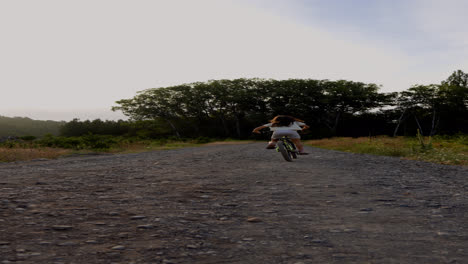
<point x="273" y="142"/>
<point x="298" y="143"/>
<point x="274" y="139"/>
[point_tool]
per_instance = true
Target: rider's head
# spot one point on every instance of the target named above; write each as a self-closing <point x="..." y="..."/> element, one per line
<point x="282" y="120"/>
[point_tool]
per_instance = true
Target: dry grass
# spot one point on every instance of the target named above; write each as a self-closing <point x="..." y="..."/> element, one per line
<point x="452" y="151"/>
<point x="445" y="151"/>
<point x="352" y="144"/>
<point x="12" y="154"/>
<point x="22" y="154"/>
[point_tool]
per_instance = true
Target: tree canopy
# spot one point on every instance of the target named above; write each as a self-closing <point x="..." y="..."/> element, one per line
<point x="230" y="108"/>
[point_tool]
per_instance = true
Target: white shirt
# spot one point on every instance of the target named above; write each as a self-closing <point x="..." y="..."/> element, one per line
<point x="293" y="126"/>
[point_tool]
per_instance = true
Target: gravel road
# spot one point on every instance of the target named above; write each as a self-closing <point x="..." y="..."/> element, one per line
<point x="233" y="204"/>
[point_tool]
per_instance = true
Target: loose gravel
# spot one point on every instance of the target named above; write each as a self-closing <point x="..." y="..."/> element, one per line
<point x="233" y="204"/>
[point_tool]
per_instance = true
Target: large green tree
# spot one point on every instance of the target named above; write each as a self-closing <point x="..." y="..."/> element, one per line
<point x="237" y="105"/>
<point x="349" y="98"/>
<point x="454" y="94"/>
<point x="435" y="108"/>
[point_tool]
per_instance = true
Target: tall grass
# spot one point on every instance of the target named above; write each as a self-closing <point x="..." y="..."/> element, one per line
<point x="445" y="150"/>
<point x="51" y="147"/>
<point x="21" y="154"/>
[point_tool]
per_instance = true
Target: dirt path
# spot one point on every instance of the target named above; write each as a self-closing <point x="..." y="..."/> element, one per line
<point x="233" y="204"/>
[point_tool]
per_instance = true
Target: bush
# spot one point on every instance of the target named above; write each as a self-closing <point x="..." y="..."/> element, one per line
<point x="203" y="140"/>
<point x="9" y="144"/>
<point x="71" y="142"/>
<point x="99" y="141"/>
<point x="462" y="139"/>
<point x="47" y="141"/>
<point x="28" y="138"/>
<point x="88" y="141"/>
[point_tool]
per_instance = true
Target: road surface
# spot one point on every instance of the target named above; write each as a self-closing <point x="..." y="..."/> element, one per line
<point x="233" y="204"/>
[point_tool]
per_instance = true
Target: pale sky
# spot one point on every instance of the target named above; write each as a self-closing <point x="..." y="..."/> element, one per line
<point x="64" y="59"/>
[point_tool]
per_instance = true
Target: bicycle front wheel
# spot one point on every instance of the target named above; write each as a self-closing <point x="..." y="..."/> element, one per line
<point x="291" y="148"/>
<point x="284" y="152"/>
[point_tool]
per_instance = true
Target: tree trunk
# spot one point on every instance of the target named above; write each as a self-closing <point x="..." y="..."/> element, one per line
<point x="419" y="125"/>
<point x="173" y="128"/>
<point x="197" y="126"/>
<point x="238" y="130"/>
<point x="226" y="129"/>
<point x="434" y="123"/>
<point x="335" y="124"/>
<point x="399" y="123"/>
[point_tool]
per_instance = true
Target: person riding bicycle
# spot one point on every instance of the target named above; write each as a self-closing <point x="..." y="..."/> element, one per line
<point x="284" y="125"/>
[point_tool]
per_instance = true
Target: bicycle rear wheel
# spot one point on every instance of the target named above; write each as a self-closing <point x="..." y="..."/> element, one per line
<point x="284" y="152"/>
<point x="294" y="155"/>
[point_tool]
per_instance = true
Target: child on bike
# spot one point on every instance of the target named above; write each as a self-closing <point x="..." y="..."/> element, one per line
<point x="283" y="125"/>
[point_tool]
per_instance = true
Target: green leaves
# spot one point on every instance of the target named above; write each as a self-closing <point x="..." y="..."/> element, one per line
<point x="437" y="108"/>
<point x="231" y="108"/>
<point x="246" y="102"/>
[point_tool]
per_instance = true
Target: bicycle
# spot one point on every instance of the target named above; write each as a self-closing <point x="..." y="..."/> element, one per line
<point x="287" y="148"/>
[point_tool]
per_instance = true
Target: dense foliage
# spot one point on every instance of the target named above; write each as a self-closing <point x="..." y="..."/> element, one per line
<point x="77" y="128"/>
<point x="231" y="108"/>
<point x="435" y="109"/>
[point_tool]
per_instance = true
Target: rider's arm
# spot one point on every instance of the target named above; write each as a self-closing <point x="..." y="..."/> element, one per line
<point x="304" y="127"/>
<point x="257" y="129"/>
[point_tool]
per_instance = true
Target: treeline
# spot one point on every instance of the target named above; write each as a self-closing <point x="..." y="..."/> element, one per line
<point x="145" y="129"/>
<point x="23" y="126"/>
<point x="231" y="108"/>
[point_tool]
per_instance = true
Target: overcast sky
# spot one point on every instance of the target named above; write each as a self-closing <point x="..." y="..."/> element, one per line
<point x="61" y="59"/>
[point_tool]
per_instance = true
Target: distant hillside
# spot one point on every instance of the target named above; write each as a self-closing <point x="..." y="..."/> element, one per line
<point x="23" y="126"/>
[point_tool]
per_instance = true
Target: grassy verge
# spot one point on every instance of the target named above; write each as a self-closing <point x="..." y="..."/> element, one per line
<point x="22" y="154"/>
<point x="444" y="150"/>
<point x="24" y="151"/>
